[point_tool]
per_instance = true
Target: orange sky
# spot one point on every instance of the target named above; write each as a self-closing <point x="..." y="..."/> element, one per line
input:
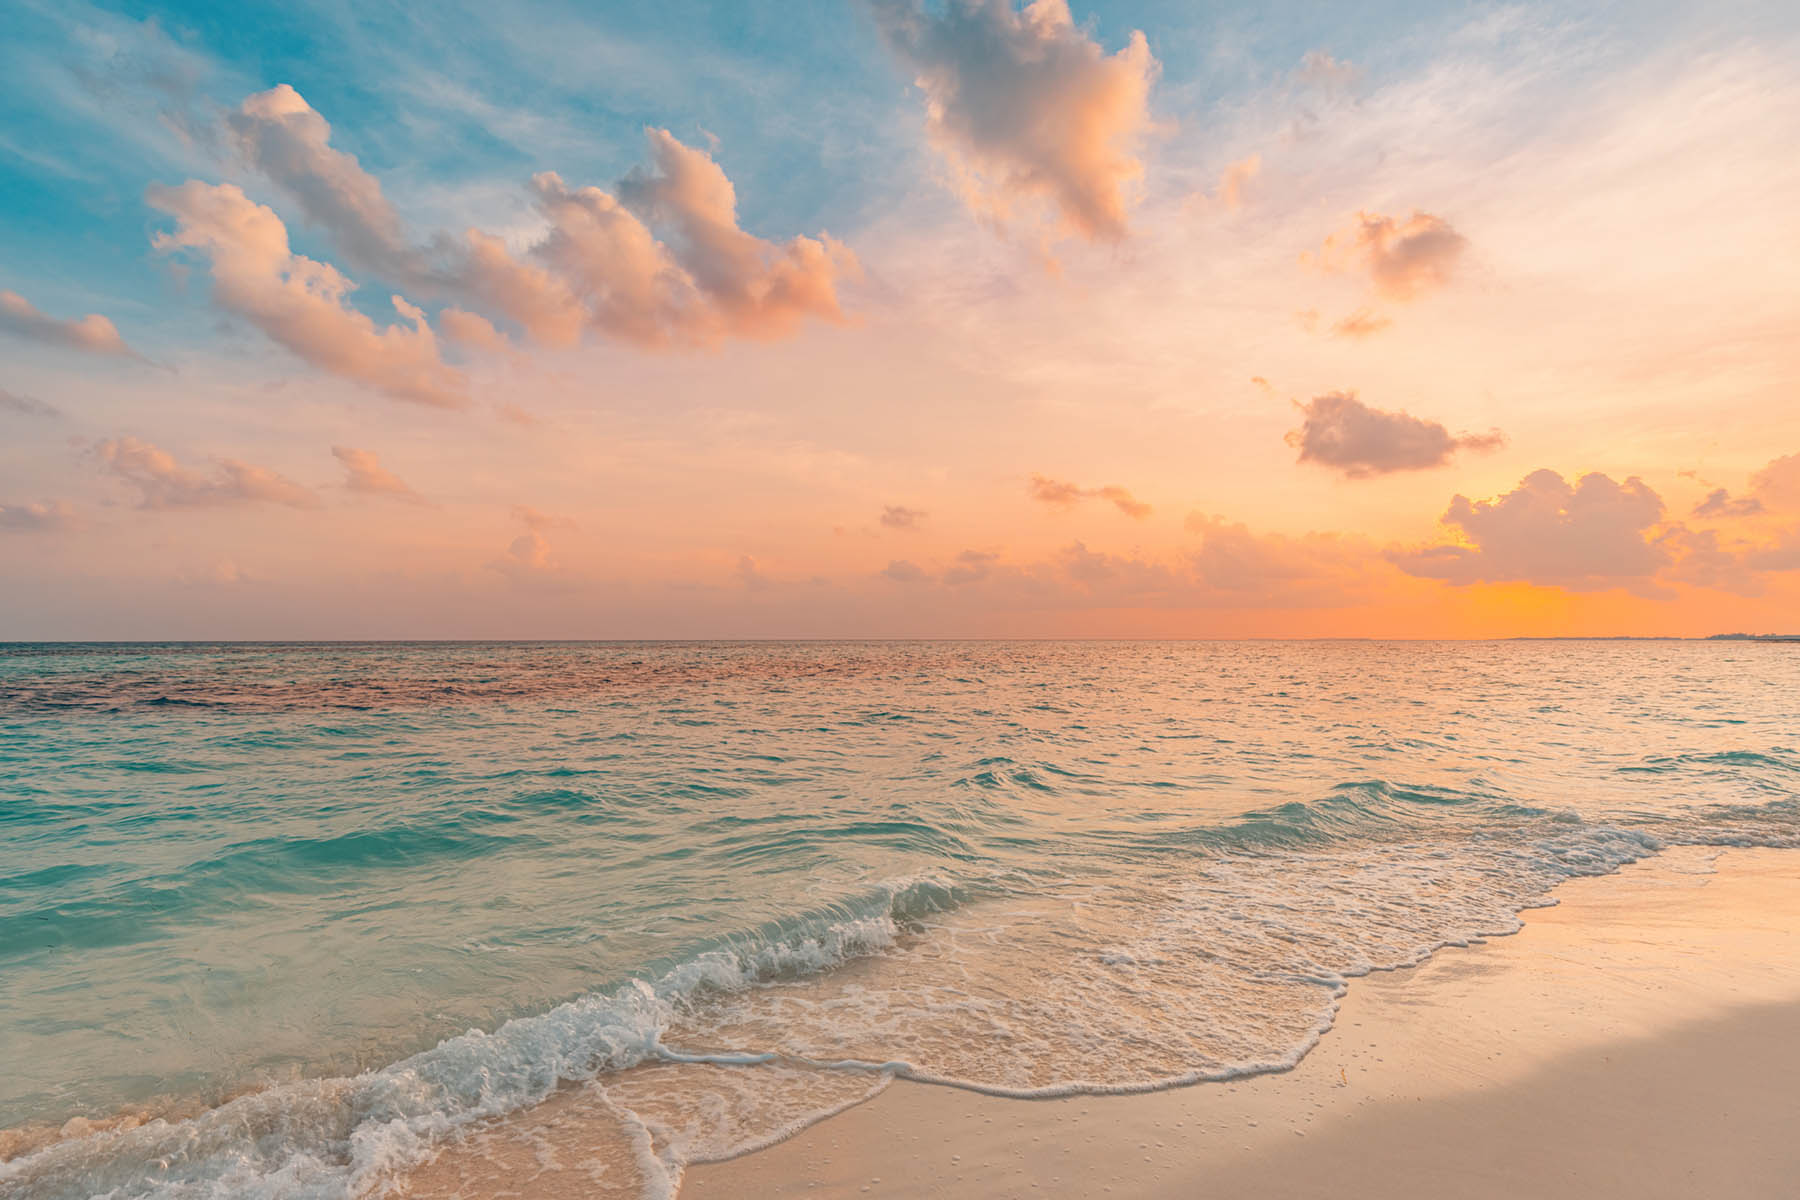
<point x="1063" y="327"/>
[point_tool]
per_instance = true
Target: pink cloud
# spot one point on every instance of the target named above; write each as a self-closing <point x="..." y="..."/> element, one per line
<point x="1340" y="431"/>
<point x="1236" y="179"/>
<point x="1361" y="324"/>
<point x="282" y="136"/>
<point x="46" y="516"/>
<point x="301" y="303"/>
<point x="1587" y="536"/>
<point x="1027" y="108"/>
<point x="472" y="330"/>
<point x="364" y="473"/>
<point x="163" y="483"/>
<point x="1061" y="494"/>
<point x="600" y="264"/>
<point x="898" y="516"/>
<point x="92" y="333"/>
<point x="1401" y="258"/>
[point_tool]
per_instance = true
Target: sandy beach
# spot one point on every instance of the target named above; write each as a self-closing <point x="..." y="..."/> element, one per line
<point x="1640" y="1039"/>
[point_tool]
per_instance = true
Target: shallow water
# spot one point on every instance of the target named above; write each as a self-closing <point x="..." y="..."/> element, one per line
<point x="300" y="875"/>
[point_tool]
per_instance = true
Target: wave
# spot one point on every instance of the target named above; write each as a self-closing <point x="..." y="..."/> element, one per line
<point x="351" y="1136"/>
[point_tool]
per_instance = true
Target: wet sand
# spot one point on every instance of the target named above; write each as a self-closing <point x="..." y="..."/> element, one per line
<point x="1641" y="1039"/>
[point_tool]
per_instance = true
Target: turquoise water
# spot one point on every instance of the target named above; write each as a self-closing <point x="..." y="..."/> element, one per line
<point x="289" y="880"/>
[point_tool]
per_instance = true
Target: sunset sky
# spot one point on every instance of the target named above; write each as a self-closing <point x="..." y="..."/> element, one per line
<point x="899" y="317"/>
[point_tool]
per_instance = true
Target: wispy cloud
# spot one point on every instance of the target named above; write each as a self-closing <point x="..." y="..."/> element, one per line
<point x="27" y="406"/>
<point x="93" y="333"/>
<point x="1061" y="494"/>
<point x="364" y="473"/>
<point x="163" y="483"/>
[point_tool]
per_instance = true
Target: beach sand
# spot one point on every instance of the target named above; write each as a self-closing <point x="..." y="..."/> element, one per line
<point x="1640" y="1039"/>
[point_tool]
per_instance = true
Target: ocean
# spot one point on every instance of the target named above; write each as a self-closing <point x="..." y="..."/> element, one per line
<point x="277" y="920"/>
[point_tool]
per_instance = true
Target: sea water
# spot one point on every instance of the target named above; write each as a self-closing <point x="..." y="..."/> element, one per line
<point x="283" y="920"/>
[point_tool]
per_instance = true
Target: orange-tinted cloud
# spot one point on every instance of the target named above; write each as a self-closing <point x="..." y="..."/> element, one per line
<point x="608" y="268"/>
<point x="299" y="302"/>
<point x="46" y="516"/>
<point x="601" y="263"/>
<point x="758" y="289"/>
<point x="1778" y="484"/>
<point x="971" y="566"/>
<point x="92" y="333"/>
<point x="1236" y="178"/>
<point x="1719" y="503"/>
<point x="1027" y="108"/>
<point x="1062" y="494"/>
<point x="898" y="516"/>
<point x="1342" y="432"/>
<point x="472" y="330"/>
<point x="1361" y="324"/>
<point x="163" y="483"/>
<point x="1401" y="258"/>
<point x="364" y="473"/>
<point x="1588" y="536"/>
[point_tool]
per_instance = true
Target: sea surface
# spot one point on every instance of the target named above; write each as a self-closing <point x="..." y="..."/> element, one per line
<point x="278" y="920"/>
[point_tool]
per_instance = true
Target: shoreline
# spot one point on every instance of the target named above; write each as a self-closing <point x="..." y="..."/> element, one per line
<point x="1639" y="1038"/>
<point x="1636" y="1007"/>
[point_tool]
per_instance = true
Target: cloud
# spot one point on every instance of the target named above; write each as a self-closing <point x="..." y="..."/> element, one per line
<point x="533" y="518"/>
<point x="299" y="302"/>
<point x="163" y="483"/>
<point x="1773" y="489"/>
<point x="1027" y="108"/>
<point x="600" y="264"/>
<point x="971" y="566"/>
<point x="757" y="288"/>
<point x="28" y="406"/>
<point x="1064" y="495"/>
<point x="1719" y="503"/>
<point x="364" y="473"/>
<point x="750" y="576"/>
<point x="1309" y="570"/>
<point x="1588" y="536"/>
<point x="530" y="550"/>
<point x="1702" y="560"/>
<point x="280" y="135"/>
<point x="529" y="560"/>
<point x="523" y="292"/>
<point x="49" y="516"/>
<point x="472" y="330"/>
<point x="1401" y="258"/>
<point x="1236" y="178"/>
<point x="1320" y="69"/>
<point x="898" y="516"/>
<point x="1778" y="484"/>
<point x="1361" y="324"/>
<point x="903" y="571"/>
<point x="92" y="333"/>
<point x="1339" y="430"/>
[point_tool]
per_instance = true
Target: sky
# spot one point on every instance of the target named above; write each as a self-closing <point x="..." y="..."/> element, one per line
<point x="895" y="318"/>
